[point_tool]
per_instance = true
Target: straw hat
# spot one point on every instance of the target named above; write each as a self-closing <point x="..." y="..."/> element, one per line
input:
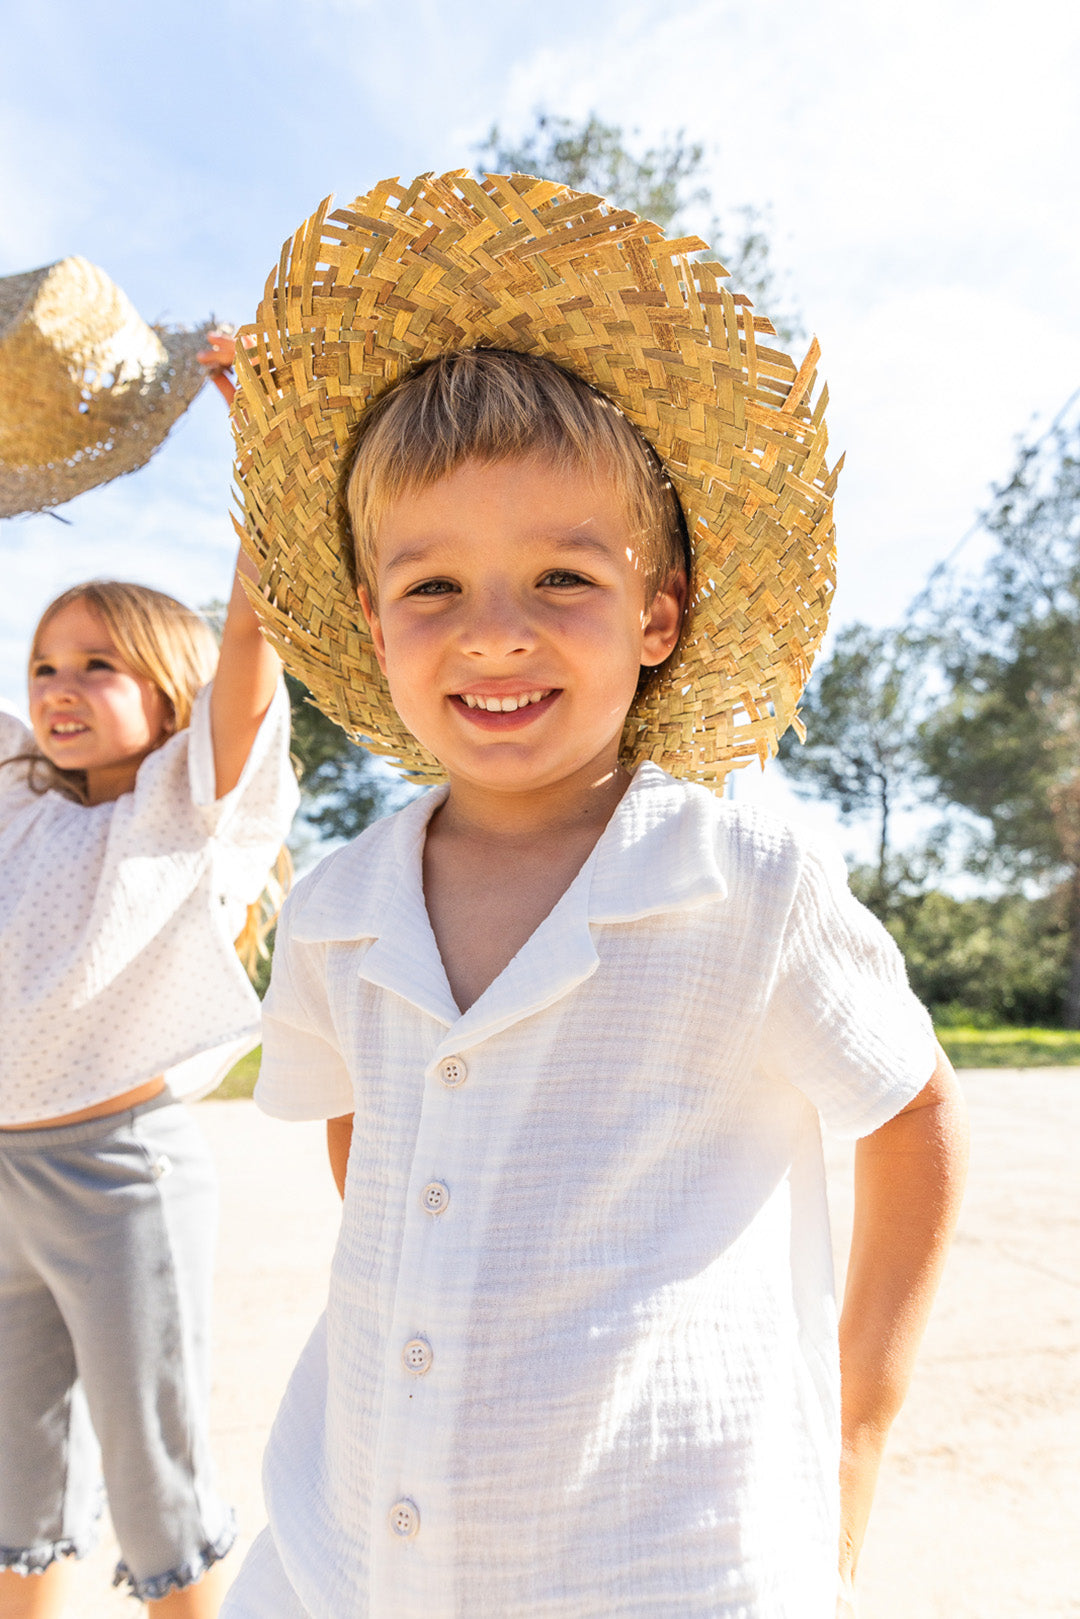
<point x="87" y="390"/>
<point x="362" y="294"/>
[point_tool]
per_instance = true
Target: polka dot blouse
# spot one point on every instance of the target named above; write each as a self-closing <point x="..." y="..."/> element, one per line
<point x="117" y="920"/>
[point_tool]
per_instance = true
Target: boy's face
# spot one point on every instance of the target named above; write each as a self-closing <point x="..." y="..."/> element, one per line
<point x="512" y="622"/>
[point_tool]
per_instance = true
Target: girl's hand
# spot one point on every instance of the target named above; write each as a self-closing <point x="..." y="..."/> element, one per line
<point x="219" y="357"/>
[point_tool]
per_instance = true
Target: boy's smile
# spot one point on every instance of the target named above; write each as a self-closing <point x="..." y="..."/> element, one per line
<point x="512" y="621"/>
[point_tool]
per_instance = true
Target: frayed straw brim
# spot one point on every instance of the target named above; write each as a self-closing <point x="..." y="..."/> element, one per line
<point x="88" y="391"/>
<point x="407" y="272"/>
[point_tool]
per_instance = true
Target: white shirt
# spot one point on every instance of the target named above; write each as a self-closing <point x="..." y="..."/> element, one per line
<point x="117" y="921"/>
<point x="580" y="1354"/>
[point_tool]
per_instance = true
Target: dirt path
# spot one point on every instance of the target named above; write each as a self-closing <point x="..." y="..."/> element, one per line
<point x="976" y="1515"/>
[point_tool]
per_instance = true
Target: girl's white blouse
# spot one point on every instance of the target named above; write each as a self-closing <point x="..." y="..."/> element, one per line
<point x="580" y="1353"/>
<point x="117" y="921"/>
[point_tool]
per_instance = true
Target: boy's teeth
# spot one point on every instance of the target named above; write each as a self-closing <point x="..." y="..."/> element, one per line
<point x="504" y="705"/>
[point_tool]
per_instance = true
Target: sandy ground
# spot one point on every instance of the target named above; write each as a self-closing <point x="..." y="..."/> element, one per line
<point x="977" y="1509"/>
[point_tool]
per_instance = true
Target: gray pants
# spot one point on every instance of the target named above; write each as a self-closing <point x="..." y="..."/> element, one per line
<point x="107" y="1234"/>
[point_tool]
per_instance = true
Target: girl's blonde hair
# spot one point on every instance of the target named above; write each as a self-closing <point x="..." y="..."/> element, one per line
<point x="488" y="405"/>
<point x="176" y="650"/>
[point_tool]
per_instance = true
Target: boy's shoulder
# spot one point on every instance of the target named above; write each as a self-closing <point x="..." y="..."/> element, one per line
<point x="750" y="831"/>
<point x="678" y="838"/>
<point x="333" y="900"/>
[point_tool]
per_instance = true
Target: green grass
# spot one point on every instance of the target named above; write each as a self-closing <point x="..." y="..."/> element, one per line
<point x="239" y="1081"/>
<point x="1010" y="1048"/>
<point x="967" y="1048"/>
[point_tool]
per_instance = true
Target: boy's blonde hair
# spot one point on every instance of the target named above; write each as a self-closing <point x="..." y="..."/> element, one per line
<point x="176" y="650"/>
<point x="489" y="404"/>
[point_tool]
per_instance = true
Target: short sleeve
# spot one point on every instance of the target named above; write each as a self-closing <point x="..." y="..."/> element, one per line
<point x="265" y="799"/>
<point x="842" y="1023"/>
<point x="303" y="1073"/>
<point x="15" y="791"/>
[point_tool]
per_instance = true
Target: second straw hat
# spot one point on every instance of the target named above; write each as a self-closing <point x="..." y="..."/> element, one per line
<point x="406" y="272"/>
<point x="88" y="391"/>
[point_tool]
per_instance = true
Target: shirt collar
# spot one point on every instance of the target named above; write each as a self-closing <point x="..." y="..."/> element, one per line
<point x="657" y="854"/>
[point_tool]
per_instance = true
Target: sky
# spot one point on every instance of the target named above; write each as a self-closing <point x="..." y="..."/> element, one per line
<point x="917" y="162"/>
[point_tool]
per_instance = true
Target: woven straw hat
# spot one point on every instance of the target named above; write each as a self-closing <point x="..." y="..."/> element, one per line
<point x="87" y="390"/>
<point x="407" y="272"/>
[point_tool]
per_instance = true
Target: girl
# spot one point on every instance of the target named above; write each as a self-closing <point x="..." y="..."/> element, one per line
<point x="137" y="824"/>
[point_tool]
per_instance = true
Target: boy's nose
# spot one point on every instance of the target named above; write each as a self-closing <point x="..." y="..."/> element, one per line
<point x="497" y="626"/>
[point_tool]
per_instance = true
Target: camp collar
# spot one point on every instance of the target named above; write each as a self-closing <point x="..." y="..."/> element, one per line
<point x="656" y="854"/>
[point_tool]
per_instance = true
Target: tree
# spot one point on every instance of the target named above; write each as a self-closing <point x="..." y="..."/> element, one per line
<point x="663" y="183"/>
<point x="342" y="787"/>
<point x="1005" y="743"/>
<point x="861" y="750"/>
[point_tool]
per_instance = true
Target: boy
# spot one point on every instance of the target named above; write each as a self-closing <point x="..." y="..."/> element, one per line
<point x="572" y="1021"/>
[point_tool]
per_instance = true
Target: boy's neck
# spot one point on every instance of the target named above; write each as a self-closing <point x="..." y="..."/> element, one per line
<point x="495" y="865"/>
<point x="574" y="807"/>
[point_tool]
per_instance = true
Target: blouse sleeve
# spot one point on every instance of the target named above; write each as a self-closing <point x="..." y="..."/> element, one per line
<point x="303" y="1074"/>
<point x="174" y="803"/>
<point x="15" y="792"/>
<point x="842" y="1023"/>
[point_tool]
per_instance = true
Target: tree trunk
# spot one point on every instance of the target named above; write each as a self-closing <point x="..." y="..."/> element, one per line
<point x="1071" y="1009"/>
<point x="880" y="903"/>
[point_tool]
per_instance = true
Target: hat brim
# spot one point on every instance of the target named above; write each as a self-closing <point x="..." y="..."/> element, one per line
<point x="106" y="434"/>
<point x="363" y="294"/>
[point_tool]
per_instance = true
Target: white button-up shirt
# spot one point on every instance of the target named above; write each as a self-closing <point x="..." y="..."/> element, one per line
<point x="580" y="1359"/>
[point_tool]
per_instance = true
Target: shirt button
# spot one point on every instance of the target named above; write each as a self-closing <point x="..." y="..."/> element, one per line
<point x="417" y="1356"/>
<point x="453" y="1071"/>
<point x="404" y="1519"/>
<point x="434" y="1197"/>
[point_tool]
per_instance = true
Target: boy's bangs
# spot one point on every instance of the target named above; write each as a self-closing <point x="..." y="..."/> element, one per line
<point x="492" y="405"/>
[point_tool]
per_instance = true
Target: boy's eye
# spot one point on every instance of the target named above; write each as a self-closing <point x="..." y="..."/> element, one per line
<point x="432" y="587"/>
<point x="40" y="670"/>
<point x="563" y="578"/>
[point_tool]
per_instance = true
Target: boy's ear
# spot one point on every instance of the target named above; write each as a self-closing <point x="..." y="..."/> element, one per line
<point x="663" y="619"/>
<point x="373" y="624"/>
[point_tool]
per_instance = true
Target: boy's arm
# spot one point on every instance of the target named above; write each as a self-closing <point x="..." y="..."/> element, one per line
<point x="909" y="1177"/>
<point x="338" y="1143"/>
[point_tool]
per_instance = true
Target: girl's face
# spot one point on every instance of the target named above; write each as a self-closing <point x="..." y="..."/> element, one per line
<point x="89" y="708"/>
<point x="512" y="622"/>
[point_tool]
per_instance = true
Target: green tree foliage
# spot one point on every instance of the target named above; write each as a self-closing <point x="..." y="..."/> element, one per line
<point x="663" y="183"/>
<point x="1005" y="743"/>
<point x="1000" y="959"/>
<point x="860" y="710"/>
<point x="342" y="788"/>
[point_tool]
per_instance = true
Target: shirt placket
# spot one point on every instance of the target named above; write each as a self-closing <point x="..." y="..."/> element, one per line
<point x="413" y="1528"/>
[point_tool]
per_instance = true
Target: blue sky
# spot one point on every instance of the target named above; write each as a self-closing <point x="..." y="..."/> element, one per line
<point x="918" y="160"/>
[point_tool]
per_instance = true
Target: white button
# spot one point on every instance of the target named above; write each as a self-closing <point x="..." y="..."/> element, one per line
<point x="435" y="1197"/>
<point x="404" y="1519"/>
<point x="418" y="1356"/>
<point x="453" y="1072"/>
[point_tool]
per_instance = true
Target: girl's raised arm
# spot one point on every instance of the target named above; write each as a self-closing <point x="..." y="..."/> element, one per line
<point x="244" y="685"/>
<point x="249" y="667"/>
